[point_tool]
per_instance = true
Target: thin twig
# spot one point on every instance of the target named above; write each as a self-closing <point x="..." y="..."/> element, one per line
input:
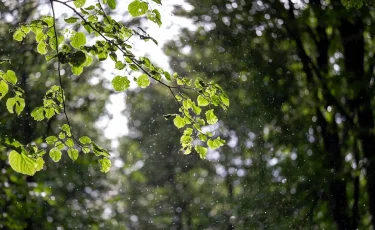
<point x="58" y="71"/>
<point x="132" y="59"/>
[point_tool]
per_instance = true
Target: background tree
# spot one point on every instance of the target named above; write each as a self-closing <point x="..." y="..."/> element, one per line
<point x="301" y="75"/>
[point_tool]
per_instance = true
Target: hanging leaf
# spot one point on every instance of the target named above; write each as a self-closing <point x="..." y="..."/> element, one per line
<point x="120" y="83"/>
<point x="55" y="154"/>
<point x="202" y="101"/>
<point x="73" y="154"/>
<point x="51" y="140"/>
<point x="137" y="8"/>
<point x="202" y="151"/>
<point x="22" y="163"/>
<point x="78" y="39"/>
<point x="85" y="140"/>
<point x="79" y="3"/>
<point x="105" y="164"/>
<point x="210" y="117"/>
<point x="179" y="122"/>
<point x="4" y="88"/>
<point x="38" y="114"/>
<point x="143" y="81"/>
<point x="216" y="143"/>
<point x="39" y="164"/>
<point x="10" y="77"/>
<point x="16" y="104"/>
<point x="71" y="20"/>
<point x="111" y="4"/>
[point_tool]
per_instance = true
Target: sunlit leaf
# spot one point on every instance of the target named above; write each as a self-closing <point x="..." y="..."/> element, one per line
<point x="85" y="140"/>
<point x="79" y="3"/>
<point x="71" y="20"/>
<point x="211" y="117"/>
<point x="55" y="154"/>
<point x="10" y="76"/>
<point x="42" y="47"/>
<point x="216" y="143"/>
<point x="120" y="83"/>
<point x="73" y="154"/>
<point x="69" y="142"/>
<point x="202" y="101"/>
<point x="16" y="104"/>
<point x="4" y="88"/>
<point x="39" y="164"/>
<point x="143" y="81"/>
<point x="111" y="4"/>
<point x="105" y="164"/>
<point x="38" y="114"/>
<point x="202" y="151"/>
<point x="22" y="163"/>
<point x="51" y="140"/>
<point x="179" y="122"/>
<point x="137" y="8"/>
<point x="78" y="39"/>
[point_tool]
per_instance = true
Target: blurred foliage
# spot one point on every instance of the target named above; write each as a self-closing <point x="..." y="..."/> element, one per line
<point x="299" y="132"/>
<point x="300" y="129"/>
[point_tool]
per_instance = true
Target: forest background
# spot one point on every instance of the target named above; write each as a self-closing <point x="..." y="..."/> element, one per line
<point x="300" y="149"/>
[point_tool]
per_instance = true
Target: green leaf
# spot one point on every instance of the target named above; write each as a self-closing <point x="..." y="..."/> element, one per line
<point x="77" y="70"/>
<point x="143" y="81"/>
<point x="224" y="98"/>
<point x="105" y="164"/>
<point x="79" y="3"/>
<point x="197" y="110"/>
<point x="4" y="88"/>
<point x="62" y="135"/>
<point x="157" y="1"/>
<point x="19" y="35"/>
<point x="60" y="145"/>
<point x="210" y="117"/>
<point x="16" y="104"/>
<point x="73" y="154"/>
<point x="202" y="137"/>
<point x="66" y="129"/>
<point x="155" y="16"/>
<point x="120" y="83"/>
<point x="179" y="122"/>
<point x="98" y="151"/>
<point x="112" y="4"/>
<point x="69" y="142"/>
<point x="119" y="65"/>
<point x="10" y="77"/>
<point x="55" y="154"/>
<point x="202" y="101"/>
<point x="39" y="164"/>
<point x="202" y="151"/>
<point x="86" y="149"/>
<point x="167" y="76"/>
<point x="48" y="20"/>
<point x="42" y="47"/>
<point x="50" y="112"/>
<point x="214" y="144"/>
<point x="37" y="113"/>
<point x="137" y="8"/>
<point x="78" y="40"/>
<point x="22" y="163"/>
<point x="71" y="20"/>
<point x="85" y="140"/>
<point x="51" y="140"/>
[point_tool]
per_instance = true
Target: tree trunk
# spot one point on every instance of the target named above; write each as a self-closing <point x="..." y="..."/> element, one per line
<point x="353" y="43"/>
